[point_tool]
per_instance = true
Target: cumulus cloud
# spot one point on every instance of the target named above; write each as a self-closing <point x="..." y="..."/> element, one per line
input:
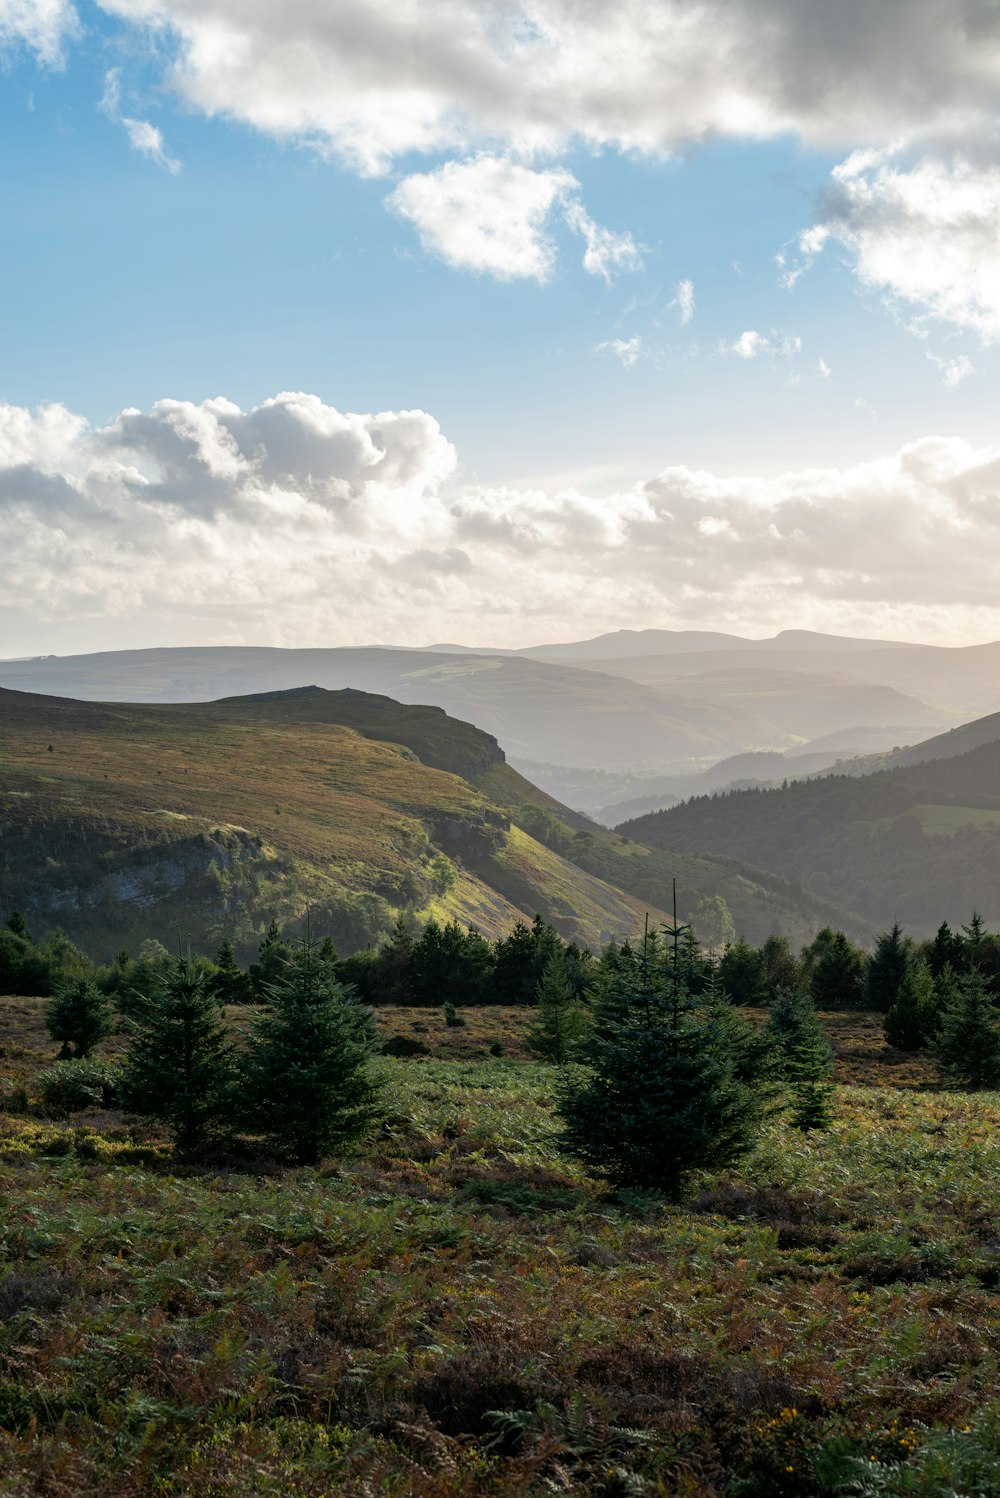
<point x="487" y="214"/>
<point x="373" y="80"/>
<point x="495" y="215"/>
<point x="143" y="136"/>
<point x="42" y="26"/>
<point x="925" y="233"/>
<point x="293" y="522"/>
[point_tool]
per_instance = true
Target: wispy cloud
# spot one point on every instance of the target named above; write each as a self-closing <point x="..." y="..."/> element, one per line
<point x="683" y="300"/>
<point x="143" y="136"/>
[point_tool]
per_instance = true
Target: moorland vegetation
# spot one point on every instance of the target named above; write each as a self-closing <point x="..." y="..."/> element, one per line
<point x="292" y="1228"/>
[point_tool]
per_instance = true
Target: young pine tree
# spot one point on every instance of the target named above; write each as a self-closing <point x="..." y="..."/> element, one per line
<point x="967" y="1045"/>
<point x="310" y="1087"/>
<point x="273" y="954"/>
<point x="79" y="1016"/>
<point x="178" y="1066"/>
<point x="673" y="1082"/>
<point x="806" y="1057"/>
<point x="837" y="979"/>
<point x="230" y="984"/>
<point x="887" y="968"/>
<point x="562" y="1019"/>
<point x="910" y="1021"/>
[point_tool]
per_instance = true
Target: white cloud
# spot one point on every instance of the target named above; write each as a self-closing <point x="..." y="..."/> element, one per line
<point x="296" y="523"/>
<point x="684" y="301"/>
<point x="823" y="370"/>
<point x="752" y="345"/>
<point x="486" y="214"/>
<point x="373" y="80"/>
<point x="143" y="136"/>
<point x="926" y="234"/>
<point x="606" y="251"/>
<point x="953" y="371"/>
<point x="495" y="215"/>
<point x="628" y="350"/>
<point x="43" y="26"/>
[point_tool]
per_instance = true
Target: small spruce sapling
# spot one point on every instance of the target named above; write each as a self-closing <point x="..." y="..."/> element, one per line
<point x="79" y="1016"/>
<point x="805" y="1057"/>
<point x="967" y="1045"/>
<point x="230" y="984"/>
<point x="178" y="1066"/>
<point x="562" y="1019"/>
<point x="671" y="1082"/>
<point x="309" y="1081"/>
<point x="912" y="1017"/>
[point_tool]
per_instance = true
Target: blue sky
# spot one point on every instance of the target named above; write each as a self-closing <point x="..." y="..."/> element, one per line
<point x="232" y="256"/>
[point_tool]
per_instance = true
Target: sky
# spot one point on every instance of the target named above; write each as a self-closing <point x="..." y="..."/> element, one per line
<point x="395" y="321"/>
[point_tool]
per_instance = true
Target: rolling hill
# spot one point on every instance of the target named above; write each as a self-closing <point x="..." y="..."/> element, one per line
<point x="120" y="821"/>
<point x="917" y="841"/>
<point x="538" y="711"/>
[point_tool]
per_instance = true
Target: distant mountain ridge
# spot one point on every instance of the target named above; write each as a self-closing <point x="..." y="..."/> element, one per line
<point x="541" y="712"/>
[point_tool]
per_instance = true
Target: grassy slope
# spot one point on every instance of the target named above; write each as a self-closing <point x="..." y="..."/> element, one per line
<point x="233" y="810"/>
<point x="120" y="821"/>
<point x="321" y="1334"/>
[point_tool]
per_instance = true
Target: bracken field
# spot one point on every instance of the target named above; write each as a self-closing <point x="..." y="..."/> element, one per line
<point x="457" y="1310"/>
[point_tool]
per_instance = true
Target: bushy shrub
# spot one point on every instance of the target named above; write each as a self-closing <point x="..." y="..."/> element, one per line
<point x="70" y="1086"/>
<point x="79" y="1016"/>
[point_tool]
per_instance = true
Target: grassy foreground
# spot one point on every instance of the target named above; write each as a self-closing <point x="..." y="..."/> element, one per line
<point x="803" y="1328"/>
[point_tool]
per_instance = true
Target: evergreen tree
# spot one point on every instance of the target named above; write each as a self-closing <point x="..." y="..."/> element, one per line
<point x="229" y="983"/>
<point x="887" y="968"/>
<point x="967" y="1045"/>
<point x="178" y="1066"/>
<point x="741" y="973"/>
<point x="973" y="940"/>
<point x="519" y="960"/>
<point x="392" y="981"/>
<point x="562" y="1020"/>
<point x="450" y="966"/>
<point x="79" y="1016"/>
<point x="806" y="1057"/>
<point x="778" y="965"/>
<point x="309" y="1082"/>
<point x="672" y="1083"/>
<point x="273" y="955"/>
<point x="946" y="996"/>
<point x="18" y="925"/>
<point x="910" y="1021"/>
<point x="944" y="951"/>
<point x="837" y="980"/>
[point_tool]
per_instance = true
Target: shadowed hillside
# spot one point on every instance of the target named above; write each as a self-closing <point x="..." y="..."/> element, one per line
<point x="917" y="841"/>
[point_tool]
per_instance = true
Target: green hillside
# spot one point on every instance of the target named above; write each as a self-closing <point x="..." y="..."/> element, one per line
<point x="120" y="821"/>
<point x="914" y="842"/>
